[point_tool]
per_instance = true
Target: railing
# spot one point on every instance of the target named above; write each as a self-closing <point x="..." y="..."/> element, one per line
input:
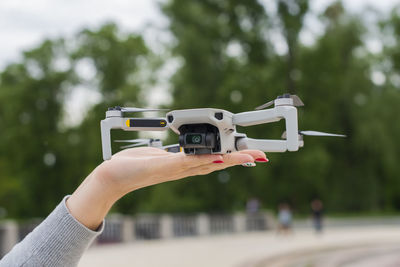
<point x="120" y="229"/>
<point x="256" y="222"/>
<point x="2" y="244"/>
<point x="8" y="236"/>
<point x="25" y="228"/>
<point x="184" y="226"/>
<point x="148" y="226"/>
<point x="221" y="224"/>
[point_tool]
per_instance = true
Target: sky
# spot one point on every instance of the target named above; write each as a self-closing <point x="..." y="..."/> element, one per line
<point x="24" y="24"/>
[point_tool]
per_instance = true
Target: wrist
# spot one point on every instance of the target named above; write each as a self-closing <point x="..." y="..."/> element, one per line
<point x="91" y="201"/>
<point x="108" y="182"/>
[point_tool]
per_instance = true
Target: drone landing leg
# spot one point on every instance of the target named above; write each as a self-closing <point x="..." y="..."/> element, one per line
<point x="289" y="113"/>
<point x="264" y="145"/>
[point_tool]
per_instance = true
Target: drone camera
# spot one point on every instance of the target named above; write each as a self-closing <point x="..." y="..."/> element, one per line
<point x="199" y="138"/>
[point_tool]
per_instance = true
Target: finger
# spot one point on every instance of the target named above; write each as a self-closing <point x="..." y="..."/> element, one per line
<point x="236" y="158"/>
<point x="178" y="163"/>
<point x="189" y="161"/>
<point x="256" y="154"/>
<point x="230" y="160"/>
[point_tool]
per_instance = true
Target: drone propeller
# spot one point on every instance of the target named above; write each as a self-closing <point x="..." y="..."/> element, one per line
<point x="141" y="109"/>
<point x="135" y="145"/>
<point x="315" y="133"/>
<point x="296" y="101"/>
<point x="133" y="141"/>
<point x="263" y="106"/>
<point x="136" y="142"/>
<point x="175" y="148"/>
<point x="141" y="142"/>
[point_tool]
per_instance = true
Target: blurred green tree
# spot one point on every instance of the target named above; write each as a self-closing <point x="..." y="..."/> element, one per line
<point x="332" y="76"/>
<point x="31" y="111"/>
<point x="38" y="149"/>
<point x="227" y="60"/>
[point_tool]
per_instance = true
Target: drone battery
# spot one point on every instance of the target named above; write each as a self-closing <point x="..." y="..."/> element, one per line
<point x="150" y="123"/>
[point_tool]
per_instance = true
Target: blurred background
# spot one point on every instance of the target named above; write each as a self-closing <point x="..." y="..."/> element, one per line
<point x="63" y="63"/>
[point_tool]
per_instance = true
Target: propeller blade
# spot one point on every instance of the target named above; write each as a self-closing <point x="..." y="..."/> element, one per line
<point x="135" y="145"/>
<point x="296" y="101"/>
<point x="175" y="148"/>
<point x="132" y="141"/>
<point x="141" y="109"/>
<point x="263" y="106"/>
<point x="315" y="133"/>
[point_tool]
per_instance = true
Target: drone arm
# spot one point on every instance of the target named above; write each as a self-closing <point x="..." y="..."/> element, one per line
<point x="106" y="126"/>
<point x="256" y="117"/>
<point x="127" y="124"/>
<point x="289" y="113"/>
<point x="261" y="144"/>
<point x="292" y="131"/>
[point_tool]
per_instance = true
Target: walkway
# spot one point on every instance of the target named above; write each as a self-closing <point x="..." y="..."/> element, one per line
<point x="346" y="246"/>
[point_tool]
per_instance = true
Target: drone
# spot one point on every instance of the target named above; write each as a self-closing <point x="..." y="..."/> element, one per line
<point x="211" y="130"/>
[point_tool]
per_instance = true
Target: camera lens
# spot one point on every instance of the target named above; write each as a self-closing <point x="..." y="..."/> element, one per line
<point x="194" y="139"/>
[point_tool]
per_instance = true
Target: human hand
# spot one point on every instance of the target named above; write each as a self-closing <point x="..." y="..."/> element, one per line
<point x="135" y="168"/>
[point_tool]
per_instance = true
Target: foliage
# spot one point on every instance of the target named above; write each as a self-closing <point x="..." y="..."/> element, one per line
<point x="228" y="60"/>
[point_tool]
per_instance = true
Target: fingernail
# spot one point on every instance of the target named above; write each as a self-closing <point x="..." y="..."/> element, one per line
<point x="262" y="160"/>
<point x="248" y="164"/>
<point x="218" y="161"/>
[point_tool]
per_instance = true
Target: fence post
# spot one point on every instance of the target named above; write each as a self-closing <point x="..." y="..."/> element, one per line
<point x="8" y="237"/>
<point x="270" y="220"/>
<point x="203" y="224"/>
<point x="128" y="229"/>
<point x="239" y="222"/>
<point x="166" y="226"/>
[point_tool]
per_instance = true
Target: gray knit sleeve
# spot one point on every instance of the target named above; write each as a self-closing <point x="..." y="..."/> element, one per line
<point x="59" y="240"/>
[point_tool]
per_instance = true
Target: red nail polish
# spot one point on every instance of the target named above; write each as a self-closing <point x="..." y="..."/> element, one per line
<point x="262" y="160"/>
<point x="218" y="161"/>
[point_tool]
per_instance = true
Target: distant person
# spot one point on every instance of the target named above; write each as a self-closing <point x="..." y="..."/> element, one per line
<point x="284" y="219"/>
<point x="317" y="212"/>
<point x="65" y="234"/>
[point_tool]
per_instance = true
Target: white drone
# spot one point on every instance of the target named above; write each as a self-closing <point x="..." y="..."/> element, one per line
<point x="210" y="130"/>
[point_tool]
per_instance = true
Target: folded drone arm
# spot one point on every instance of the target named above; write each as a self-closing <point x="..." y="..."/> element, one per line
<point x="126" y="124"/>
<point x="289" y="113"/>
<point x="250" y="118"/>
<point x="261" y="144"/>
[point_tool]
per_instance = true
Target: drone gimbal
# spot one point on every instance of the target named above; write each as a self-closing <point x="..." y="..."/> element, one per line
<point x="213" y="131"/>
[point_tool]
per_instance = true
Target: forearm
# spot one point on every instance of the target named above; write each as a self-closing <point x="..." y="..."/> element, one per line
<point x="93" y="199"/>
<point x="59" y="240"/>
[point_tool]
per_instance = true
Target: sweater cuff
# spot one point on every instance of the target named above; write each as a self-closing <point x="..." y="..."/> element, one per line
<point x="66" y="238"/>
<point x="98" y="231"/>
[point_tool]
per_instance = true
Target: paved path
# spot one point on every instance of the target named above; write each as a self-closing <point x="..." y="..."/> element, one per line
<point x="347" y="246"/>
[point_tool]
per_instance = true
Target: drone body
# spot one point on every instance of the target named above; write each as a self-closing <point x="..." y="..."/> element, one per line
<point x="213" y="131"/>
